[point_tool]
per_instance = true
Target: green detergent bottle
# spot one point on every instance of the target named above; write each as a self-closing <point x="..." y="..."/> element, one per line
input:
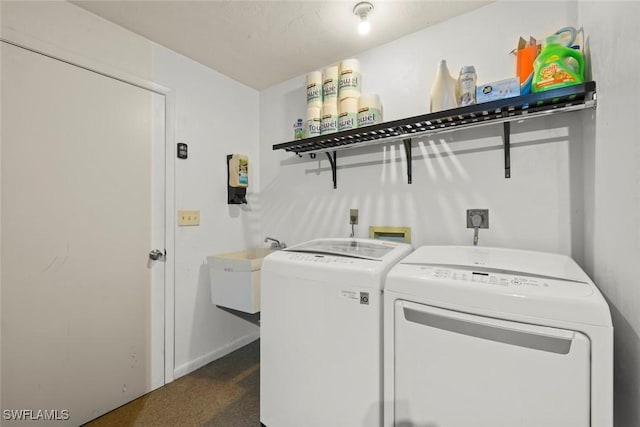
<point x="557" y="66"/>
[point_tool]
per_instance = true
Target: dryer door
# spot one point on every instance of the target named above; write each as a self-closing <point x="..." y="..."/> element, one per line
<point x="458" y="370"/>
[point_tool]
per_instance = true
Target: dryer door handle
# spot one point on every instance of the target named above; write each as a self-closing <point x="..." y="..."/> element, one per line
<point x="522" y="335"/>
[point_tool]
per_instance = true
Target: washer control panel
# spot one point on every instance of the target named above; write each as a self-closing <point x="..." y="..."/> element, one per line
<point x="319" y="258"/>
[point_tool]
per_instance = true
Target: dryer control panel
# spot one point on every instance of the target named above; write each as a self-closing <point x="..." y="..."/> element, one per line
<point x="514" y="282"/>
<point x="484" y="277"/>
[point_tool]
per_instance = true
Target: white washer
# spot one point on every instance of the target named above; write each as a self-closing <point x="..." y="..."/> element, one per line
<point x="321" y="333"/>
<point x="489" y="337"/>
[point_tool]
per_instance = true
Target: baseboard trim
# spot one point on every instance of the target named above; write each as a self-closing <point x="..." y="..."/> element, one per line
<point x="192" y="365"/>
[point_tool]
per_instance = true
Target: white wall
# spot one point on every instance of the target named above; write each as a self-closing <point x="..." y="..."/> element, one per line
<point x="210" y="113"/>
<point x="538" y="208"/>
<point x="612" y="187"/>
<point x="213" y="116"/>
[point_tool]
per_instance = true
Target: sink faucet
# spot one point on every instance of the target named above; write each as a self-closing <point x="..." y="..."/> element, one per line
<point x="275" y="243"/>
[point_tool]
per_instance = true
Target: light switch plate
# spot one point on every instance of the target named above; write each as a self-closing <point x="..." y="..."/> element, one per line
<point x="188" y="218"/>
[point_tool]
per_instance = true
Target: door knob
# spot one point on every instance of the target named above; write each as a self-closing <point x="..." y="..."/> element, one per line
<point x="156" y="254"/>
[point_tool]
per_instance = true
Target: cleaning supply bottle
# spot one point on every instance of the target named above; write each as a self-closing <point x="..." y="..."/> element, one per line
<point x="443" y="90"/>
<point x="557" y="66"/>
<point x="467" y="86"/>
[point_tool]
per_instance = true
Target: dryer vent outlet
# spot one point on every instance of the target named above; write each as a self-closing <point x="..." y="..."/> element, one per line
<point x="484" y="215"/>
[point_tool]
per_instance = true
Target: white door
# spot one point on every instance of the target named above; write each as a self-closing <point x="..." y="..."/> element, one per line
<point x="459" y="370"/>
<point x="82" y="168"/>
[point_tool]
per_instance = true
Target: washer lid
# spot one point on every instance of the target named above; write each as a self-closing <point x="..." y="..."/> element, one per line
<point x="352" y="248"/>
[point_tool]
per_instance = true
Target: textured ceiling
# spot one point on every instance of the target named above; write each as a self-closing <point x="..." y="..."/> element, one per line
<point x="262" y="43"/>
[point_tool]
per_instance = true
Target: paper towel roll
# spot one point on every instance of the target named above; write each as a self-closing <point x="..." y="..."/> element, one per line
<point x="312" y="122"/>
<point x="314" y="89"/>
<point x="330" y="105"/>
<point x="330" y="85"/>
<point x="348" y="114"/>
<point x="329" y="122"/>
<point x="350" y="83"/>
<point x="331" y="109"/>
<point x="369" y="110"/>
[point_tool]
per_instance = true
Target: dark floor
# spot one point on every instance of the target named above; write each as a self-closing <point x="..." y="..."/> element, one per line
<point x="224" y="393"/>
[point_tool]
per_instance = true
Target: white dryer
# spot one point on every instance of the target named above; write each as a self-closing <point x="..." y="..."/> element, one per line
<point x="489" y="337"/>
<point x="321" y="333"/>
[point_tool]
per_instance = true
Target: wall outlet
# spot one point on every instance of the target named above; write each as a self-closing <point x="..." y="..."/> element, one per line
<point x="484" y="214"/>
<point x="353" y="216"/>
<point x="187" y="218"/>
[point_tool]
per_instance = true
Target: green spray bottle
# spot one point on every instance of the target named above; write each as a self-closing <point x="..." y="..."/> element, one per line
<point x="557" y="66"/>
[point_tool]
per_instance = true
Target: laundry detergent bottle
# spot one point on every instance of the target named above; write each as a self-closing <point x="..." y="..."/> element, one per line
<point x="443" y="90"/>
<point x="557" y="66"/>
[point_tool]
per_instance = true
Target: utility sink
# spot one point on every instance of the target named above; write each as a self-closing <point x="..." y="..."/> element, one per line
<point x="248" y="260"/>
<point x="235" y="279"/>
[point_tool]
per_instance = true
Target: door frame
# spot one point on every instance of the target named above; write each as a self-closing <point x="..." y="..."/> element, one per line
<point x="56" y="52"/>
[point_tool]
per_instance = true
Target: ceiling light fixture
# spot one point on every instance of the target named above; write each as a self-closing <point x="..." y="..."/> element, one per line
<point x="363" y="9"/>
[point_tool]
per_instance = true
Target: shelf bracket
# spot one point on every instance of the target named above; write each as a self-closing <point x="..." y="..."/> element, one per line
<point x="407" y="151"/>
<point x="332" y="161"/>
<point x="507" y="149"/>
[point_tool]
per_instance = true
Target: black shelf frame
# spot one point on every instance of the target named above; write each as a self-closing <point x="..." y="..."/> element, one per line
<point x="504" y="111"/>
